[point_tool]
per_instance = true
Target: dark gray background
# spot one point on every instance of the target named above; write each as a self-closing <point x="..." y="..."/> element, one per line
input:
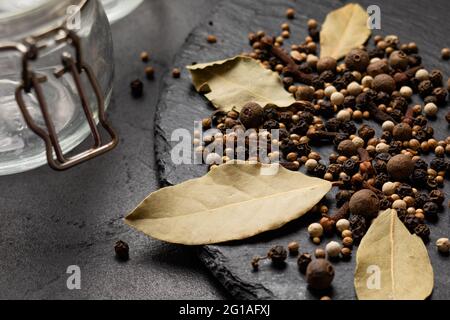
<point x="50" y="220"/>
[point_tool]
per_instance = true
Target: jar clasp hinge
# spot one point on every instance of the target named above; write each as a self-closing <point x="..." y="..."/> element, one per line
<point x="33" y="81"/>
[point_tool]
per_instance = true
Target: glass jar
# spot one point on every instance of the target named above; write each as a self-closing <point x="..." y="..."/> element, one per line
<point x="56" y="77"/>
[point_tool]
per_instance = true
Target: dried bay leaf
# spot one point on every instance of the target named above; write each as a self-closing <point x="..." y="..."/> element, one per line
<point x="398" y="259"/>
<point x="233" y="82"/>
<point x="343" y="30"/>
<point x="231" y="202"/>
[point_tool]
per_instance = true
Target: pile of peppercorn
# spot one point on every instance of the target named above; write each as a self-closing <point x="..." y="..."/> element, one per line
<point x="333" y="101"/>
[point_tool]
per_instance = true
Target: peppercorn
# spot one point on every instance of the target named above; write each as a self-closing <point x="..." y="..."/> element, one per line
<point x="436" y="78"/>
<point x="364" y="202"/>
<point x="122" y="250"/>
<point x="271" y="125"/>
<point x="437" y="196"/>
<point x="293" y="248"/>
<point x="410" y="222"/>
<point x="211" y="38"/>
<point x="440" y="94"/>
<point x="277" y="254"/>
<point x="137" y="88"/>
<point x="303" y="261"/>
<point x="425" y="88"/>
<point x="342" y="197"/>
<point x="398" y="60"/>
<point x="357" y="60"/>
<point x="176" y="73"/>
<point x="439" y="164"/>
<point x="366" y="132"/>
<point x="400" y="167"/>
<point x="333" y="249"/>
<point x="443" y="245"/>
<point x="422" y="231"/>
<point x="320" y="253"/>
<point x="290" y="13"/>
<point x="319" y="171"/>
<point x="145" y="56"/>
<point x="319" y="274"/>
<point x="430" y="209"/>
<point x="358" y="227"/>
<point x="383" y="82"/>
<point x="404" y="190"/>
<point x="445" y="53"/>
<point x="327" y="224"/>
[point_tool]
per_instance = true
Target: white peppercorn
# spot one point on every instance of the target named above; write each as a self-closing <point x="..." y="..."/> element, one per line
<point x="388" y="126"/>
<point x="337" y="98"/>
<point x="315" y="230"/>
<point x="430" y="109"/>
<point x="328" y="91"/>
<point x="399" y="204"/>
<point x="311" y="164"/>
<point x="343" y="115"/>
<point x="354" y="88"/>
<point x="342" y="225"/>
<point x="406" y="92"/>
<point x="333" y="249"/>
<point x="388" y="188"/>
<point x="366" y="82"/>
<point x="422" y="75"/>
<point x="359" y="142"/>
<point x="382" y="147"/>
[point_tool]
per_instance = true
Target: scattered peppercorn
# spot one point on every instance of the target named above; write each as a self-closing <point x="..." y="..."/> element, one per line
<point x="122" y="250"/>
<point x="145" y="57"/>
<point x="137" y="88"/>
<point x="150" y="72"/>
<point x="211" y="38"/>
<point x="277" y="254"/>
<point x="176" y="73"/>
<point x="293" y="248"/>
<point x="445" y="53"/>
<point x="290" y="13"/>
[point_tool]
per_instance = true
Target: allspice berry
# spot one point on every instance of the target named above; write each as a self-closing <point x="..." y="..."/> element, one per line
<point x="364" y="203"/>
<point x="319" y="274"/>
<point x="384" y="83"/>
<point x="400" y="167"/>
<point x="398" y="60"/>
<point x="326" y="63"/>
<point x="378" y="67"/>
<point x="402" y="132"/>
<point x="251" y="115"/>
<point x="357" y="60"/>
<point x="347" y="148"/>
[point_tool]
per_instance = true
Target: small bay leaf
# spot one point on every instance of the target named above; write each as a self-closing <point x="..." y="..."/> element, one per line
<point x="231" y="202"/>
<point x="233" y="82"/>
<point x="391" y="263"/>
<point x="343" y="30"/>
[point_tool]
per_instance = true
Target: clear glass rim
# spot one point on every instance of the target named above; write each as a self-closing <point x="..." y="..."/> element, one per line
<point x="8" y="16"/>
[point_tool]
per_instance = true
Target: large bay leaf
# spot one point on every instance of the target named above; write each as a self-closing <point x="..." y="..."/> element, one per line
<point x="398" y="259"/>
<point x="343" y="30"/>
<point x="231" y="202"/>
<point x="233" y="82"/>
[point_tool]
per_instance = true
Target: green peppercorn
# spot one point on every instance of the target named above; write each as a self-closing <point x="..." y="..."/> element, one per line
<point x="252" y="115"/>
<point x="319" y="274"/>
<point x="357" y="60"/>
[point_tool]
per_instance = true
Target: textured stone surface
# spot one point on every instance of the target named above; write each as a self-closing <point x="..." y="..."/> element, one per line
<point x="180" y="106"/>
<point x="50" y="220"/>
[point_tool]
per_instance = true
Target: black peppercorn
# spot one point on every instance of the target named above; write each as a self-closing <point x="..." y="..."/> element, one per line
<point x="277" y="254"/>
<point x="384" y="156"/>
<point x="357" y="60"/>
<point x="381" y="179"/>
<point x="420" y="177"/>
<point x="303" y="261"/>
<point x="395" y="147"/>
<point x="328" y="76"/>
<point x="385" y="203"/>
<point x="430" y="209"/>
<point x="339" y="138"/>
<point x="122" y="250"/>
<point x="300" y="128"/>
<point x="420" y="199"/>
<point x="348" y="127"/>
<point x="326" y="108"/>
<point x="440" y="94"/>
<point x="439" y="164"/>
<point x="422" y="231"/>
<point x="349" y="102"/>
<point x="137" y="88"/>
<point x="343" y="81"/>
<point x="332" y="125"/>
<point x="404" y="190"/>
<point x="437" y="196"/>
<point x="319" y="170"/>
<point x="380" y="167"/>
<point x="350" y="167"/>
<point x="358" y="227"/>
<point x="411" y="222"/>
<point x="436" y="78"/>
<point x="414" y="60"/>
<point x="270" y="114"/>
<point x="425" y="88"/>
<point x="366" y="132"/>
<point x="271" y="125"/>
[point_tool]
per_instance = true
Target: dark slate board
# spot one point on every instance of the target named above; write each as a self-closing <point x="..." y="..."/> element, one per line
<point x="425" y="23"/>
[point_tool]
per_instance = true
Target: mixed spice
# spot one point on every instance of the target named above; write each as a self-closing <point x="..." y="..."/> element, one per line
<point x="373" y="172"/>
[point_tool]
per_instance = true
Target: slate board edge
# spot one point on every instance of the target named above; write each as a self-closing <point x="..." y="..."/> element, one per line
<point x="210" y="256"/>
